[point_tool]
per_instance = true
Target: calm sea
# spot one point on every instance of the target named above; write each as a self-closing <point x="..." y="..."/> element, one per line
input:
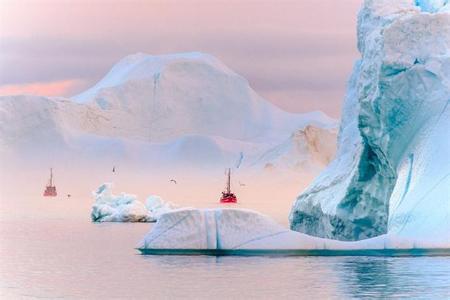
<point x="50" y="257"/>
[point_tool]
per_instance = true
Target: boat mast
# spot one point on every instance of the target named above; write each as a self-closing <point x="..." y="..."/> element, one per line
<point x="51" y="177"/>
<point x="229" y="181"/>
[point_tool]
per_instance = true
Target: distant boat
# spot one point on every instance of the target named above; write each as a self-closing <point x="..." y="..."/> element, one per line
<point x="227" y="195"/>
<point x="50" y="189"/>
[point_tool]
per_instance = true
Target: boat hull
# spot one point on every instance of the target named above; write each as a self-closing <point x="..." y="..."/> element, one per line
<point x="228" y="198"/>
<point x="50" y="191"/>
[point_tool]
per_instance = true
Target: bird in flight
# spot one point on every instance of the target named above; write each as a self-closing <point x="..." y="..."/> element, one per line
<point x="173" y="180"/>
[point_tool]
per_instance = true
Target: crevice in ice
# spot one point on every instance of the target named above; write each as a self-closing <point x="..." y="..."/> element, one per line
<point x="217" y="217"/>
<point x="155" y="84"/>
<point x="388" y="70"/>
<point x="258" y="239"/>
<point x="444" y="109"/>
<point x="408" y="180"/>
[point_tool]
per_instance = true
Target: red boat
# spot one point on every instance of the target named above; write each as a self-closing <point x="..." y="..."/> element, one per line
<point x="50" y="189"/>
<point x="227" y="195"/>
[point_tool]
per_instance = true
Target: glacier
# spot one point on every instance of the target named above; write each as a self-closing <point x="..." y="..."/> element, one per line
<point x="108" y="207"/>
<point x="391" y="174"/>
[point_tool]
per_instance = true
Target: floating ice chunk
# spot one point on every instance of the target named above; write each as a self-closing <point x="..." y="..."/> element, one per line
<point x="156" y="206"/>
<point x="237" y="229"/>
<point x="209" y="229"/>
<point x="117" y="208"/>
<point x="125" y="207"/>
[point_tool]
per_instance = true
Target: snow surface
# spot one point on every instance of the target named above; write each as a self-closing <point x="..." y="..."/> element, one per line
<point x="125" y="207"/>
<point x="237" y="229"/>
<point x="163" y="111"/>
<point x="392" y="169"/>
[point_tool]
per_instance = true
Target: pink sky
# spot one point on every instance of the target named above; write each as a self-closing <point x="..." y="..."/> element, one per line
<point x="297" y="54"/>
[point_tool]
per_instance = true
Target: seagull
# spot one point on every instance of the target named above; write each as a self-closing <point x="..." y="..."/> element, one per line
<point x="241" y="184"/>
<point x="68" y="195"/>
<point x="173" y="180"/>
<point x="114" y="169"/>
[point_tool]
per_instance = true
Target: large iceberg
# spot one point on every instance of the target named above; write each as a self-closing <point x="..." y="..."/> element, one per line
<point x="164" y="111"/>
<point x="392" y="169"/>
<point x="126" y="208"/>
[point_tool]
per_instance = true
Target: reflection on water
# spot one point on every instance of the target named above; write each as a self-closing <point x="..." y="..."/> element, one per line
<point x="76" y="259"/>
<point x="384" y="277"/>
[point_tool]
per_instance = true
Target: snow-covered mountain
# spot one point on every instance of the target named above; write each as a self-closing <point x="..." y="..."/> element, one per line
<point x="184" y="108"/>
<point x="392" y="171"/>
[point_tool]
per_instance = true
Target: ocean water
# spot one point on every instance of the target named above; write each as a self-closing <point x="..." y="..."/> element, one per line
<point x="67" y="258"/>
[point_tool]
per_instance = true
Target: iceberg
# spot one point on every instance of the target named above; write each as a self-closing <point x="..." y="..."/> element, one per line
<point x="209" y="229"/>
<point x="245" y="232"/>
<point x="125" y="207"/>
<point x="387" y="191"/>
<point x="166" y="111"/>
<point x="308" y="149"/>
<point x="391" y="174"/>
<point x="156" y="206"/>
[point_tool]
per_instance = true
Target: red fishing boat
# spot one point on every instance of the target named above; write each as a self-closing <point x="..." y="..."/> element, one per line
<point x="227" y="195"/>
<point x="50" y="189"/>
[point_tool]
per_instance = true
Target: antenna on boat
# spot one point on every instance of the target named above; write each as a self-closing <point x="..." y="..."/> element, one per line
<point x="229" y="181"/>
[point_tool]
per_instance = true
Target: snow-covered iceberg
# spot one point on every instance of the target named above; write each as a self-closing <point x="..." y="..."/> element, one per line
<point x="165" y="111"/>
<point x="125" y="207"/>
<point x="392" y="170"/>
<point x="190" y="230"/>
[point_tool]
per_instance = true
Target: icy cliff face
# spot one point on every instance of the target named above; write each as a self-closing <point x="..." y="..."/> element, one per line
<point x="392" y="170"/>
